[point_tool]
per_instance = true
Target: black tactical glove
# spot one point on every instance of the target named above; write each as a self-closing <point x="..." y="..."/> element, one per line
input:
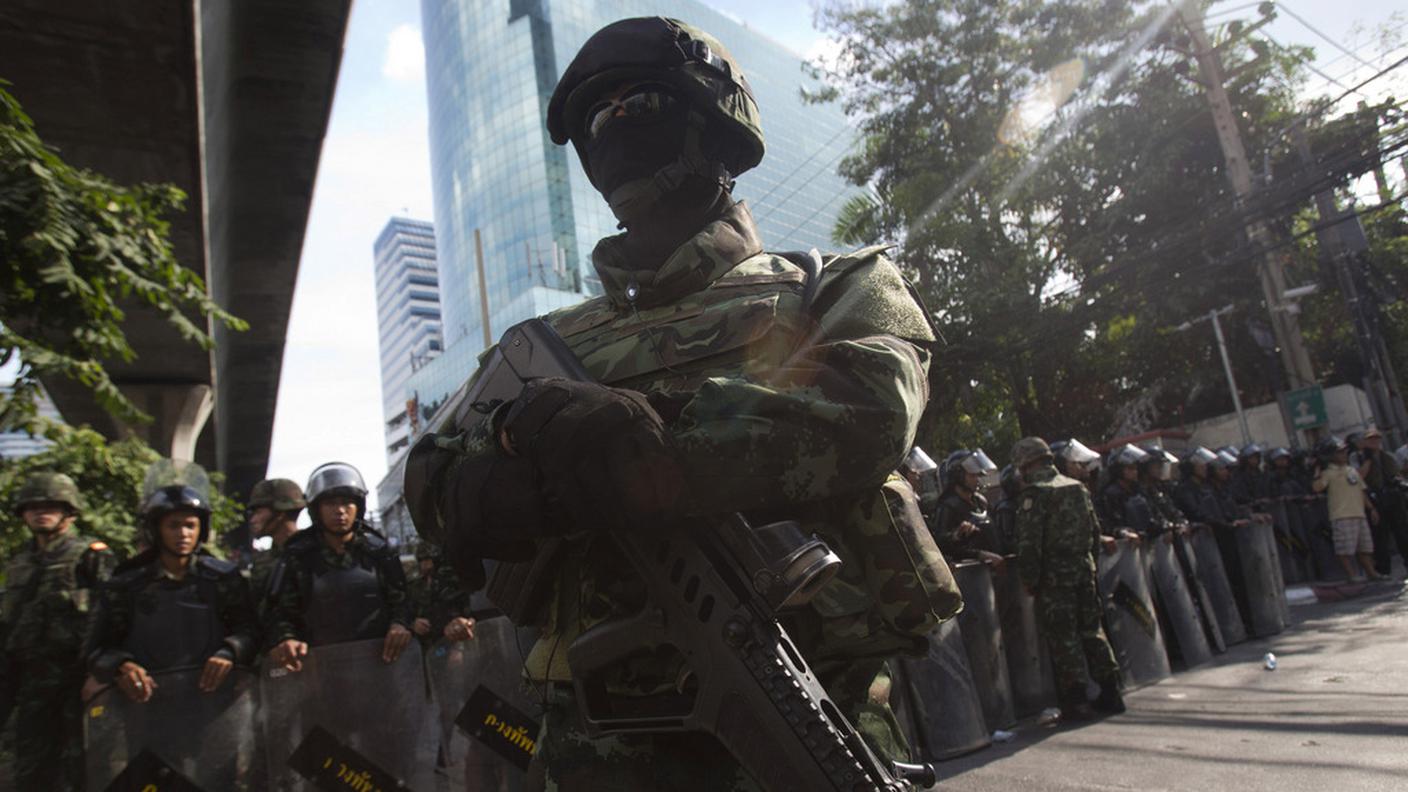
<point x="474" y="501"/>
<point x="603" y="453"/>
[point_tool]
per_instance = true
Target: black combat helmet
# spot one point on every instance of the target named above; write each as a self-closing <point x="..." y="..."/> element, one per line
<point x="725" y="134"/>
<point x="171" y="486"/>
<point x="336" y="478"/>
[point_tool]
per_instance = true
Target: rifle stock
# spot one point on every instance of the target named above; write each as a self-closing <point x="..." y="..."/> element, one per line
<point x="749" y="685"/>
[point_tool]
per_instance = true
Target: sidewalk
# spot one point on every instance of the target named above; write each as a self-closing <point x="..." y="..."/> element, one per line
<point x="1333" y="717"/>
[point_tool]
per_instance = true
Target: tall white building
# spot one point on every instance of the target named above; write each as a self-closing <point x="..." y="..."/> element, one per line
<point x="408" y="322"/>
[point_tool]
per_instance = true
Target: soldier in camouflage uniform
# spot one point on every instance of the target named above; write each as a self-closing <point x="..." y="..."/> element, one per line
<point x="1058" y="538"/>
<point x="439" y="602"/>
<point x="274" y="505"/>
<point x="760" y="383"/>
<point x="49" y="586"/>
<point x="172" y="606"/>
<point x="338" y="581"/>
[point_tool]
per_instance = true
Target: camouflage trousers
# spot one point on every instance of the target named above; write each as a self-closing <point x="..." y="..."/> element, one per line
<point x="48" y="729"/>
<point x="1069" y="618"/>
<point x="567" y="760"/>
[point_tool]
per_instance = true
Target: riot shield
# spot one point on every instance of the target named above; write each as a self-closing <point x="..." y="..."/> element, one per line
<point x="1176" y="599"/>
<point x="1028" y="661"/>
<point x="1261" y="575"/>
<point x="1316" y="522"/>
<point x="207" y="738"/>
<point x="982" y="638"/>
<point x="1213" y="576"/>
<point x="936" y="700"/>
<point x="1130" y="620"/>
<point x="1188" y="562"/>
<point x="1287" y="542"/>
<point x="492" y="659"/>
<point x="1268" y="535"/>
<point x="347" y="707"/>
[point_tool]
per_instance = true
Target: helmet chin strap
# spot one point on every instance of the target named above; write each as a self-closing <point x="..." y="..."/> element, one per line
<point x="635" y="198"/>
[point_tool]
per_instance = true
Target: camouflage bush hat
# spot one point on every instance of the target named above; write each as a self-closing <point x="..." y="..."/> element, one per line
<point x="671" y="52"/>
<point x="1029" y="450"/>
<point x="48" y="488"/>
<point x="280" y="494"/>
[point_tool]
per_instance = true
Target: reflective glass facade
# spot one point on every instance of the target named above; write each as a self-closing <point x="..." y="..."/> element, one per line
<point x="490" y="67"/>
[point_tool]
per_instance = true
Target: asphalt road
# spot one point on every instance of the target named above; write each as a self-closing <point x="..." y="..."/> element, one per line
<point x="1332" y="717"/>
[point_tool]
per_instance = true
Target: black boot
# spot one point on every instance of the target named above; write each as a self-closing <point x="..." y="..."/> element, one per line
<point x="1075" y="707"/>
<point x="1109" y="702"/>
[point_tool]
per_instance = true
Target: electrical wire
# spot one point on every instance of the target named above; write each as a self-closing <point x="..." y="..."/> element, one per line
<point x="1297" y="17"/>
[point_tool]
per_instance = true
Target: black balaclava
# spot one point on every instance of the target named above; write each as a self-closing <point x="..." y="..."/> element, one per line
<point x="630" y="149"/>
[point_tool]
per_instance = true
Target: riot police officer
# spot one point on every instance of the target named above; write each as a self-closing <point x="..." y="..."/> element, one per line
<point x="1075" y="460"/>
<point x="339" y="581"/>
<point x="172" y="606"/>
<point x="962" y="527"/>
<point x="49" y="586"/>
<point x="440" y="604"/>
<point x="1122" y="486"/>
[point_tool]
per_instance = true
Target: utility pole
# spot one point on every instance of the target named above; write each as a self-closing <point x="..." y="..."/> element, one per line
<point x="1226" y="365"/>
<point x="1284" y="324"/>
<point x="1343" y="242"/>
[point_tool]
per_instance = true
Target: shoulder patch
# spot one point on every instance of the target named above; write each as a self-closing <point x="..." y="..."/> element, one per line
<point x="1027" y="504"/>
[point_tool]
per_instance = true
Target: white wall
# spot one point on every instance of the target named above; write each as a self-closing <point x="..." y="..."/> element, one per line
<point x="1347" y="408"/>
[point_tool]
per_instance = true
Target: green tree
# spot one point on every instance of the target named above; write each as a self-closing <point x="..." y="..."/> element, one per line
<point x="75" y="249"/>
<point x="1054" y="183"/>
<point x="110" y="476"/>
<point x="76" y="252"/>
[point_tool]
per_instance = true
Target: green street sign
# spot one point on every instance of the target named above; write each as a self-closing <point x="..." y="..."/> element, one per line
<point x="1307" y="407"/>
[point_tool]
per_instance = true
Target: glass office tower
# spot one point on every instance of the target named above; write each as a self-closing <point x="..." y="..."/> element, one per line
<point x="507" y="197"/>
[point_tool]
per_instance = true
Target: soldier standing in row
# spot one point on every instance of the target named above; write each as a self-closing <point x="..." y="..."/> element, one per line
<point x="803" y="409"/>
<point x="172" y="606"/>
<point x="962" y="527"/>
<point x="439" y="603"/>
<point x="274" y="505"/>
<point x="1059" y="536"/>
<point x="339" y="581"/>
<point x="49" y="586"/>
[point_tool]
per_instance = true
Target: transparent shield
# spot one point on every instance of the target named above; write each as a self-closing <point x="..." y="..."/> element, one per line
<point x="1028" y="662"/>
<point x="174" y="472"/>
<point x="380" y="711"/>
<point x="1130" y="620"/>
<point x="1176" y="599"/>
<point x="1261" y="574"/>
<point x="492" y="659"/>
<point x="1213" y="574"/>
<point x="209" y="738"/>
<point x="983" y="639"/>
<point x="936" y="699"/>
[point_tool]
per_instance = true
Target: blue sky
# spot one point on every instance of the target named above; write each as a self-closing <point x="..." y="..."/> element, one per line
<point x="375" y="164"/>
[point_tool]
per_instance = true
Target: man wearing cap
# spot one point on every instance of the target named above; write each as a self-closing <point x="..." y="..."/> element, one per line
<point x="50" y="588"/>
<point x="274" y="505"/>
<point x="1380" y="471"/>
<point x="1058" y="536"/>
<point x="1350" y="509"/>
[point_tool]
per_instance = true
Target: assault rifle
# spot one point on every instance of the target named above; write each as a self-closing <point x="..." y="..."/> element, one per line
<point x="714" y="591"/>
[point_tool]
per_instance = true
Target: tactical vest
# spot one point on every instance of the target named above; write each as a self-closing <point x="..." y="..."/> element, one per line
<point x="175" y="625"/>
<point x="893" y="585"/>
<point x="340" y="604"/>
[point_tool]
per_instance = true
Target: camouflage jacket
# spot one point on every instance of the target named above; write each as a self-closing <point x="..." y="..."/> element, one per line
<point x="217" y="583"/>
<point x="438" y="598"/>
<point x="1057" y="532"/>
<point x="49" y="598"/>
<point x="292" y="580"/>
<point x="790" y="396"/>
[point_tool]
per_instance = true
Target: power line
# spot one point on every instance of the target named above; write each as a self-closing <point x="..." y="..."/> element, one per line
<point x="1306" y="63"/>
<point x="1297" y="17"/>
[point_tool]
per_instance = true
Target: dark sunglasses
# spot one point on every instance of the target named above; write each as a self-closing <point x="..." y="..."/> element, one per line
<point x="639" y="102"/>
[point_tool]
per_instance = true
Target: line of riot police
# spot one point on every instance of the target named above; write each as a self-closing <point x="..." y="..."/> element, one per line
<point x="1189" y="554"/>
<point x="176" y="663"/>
